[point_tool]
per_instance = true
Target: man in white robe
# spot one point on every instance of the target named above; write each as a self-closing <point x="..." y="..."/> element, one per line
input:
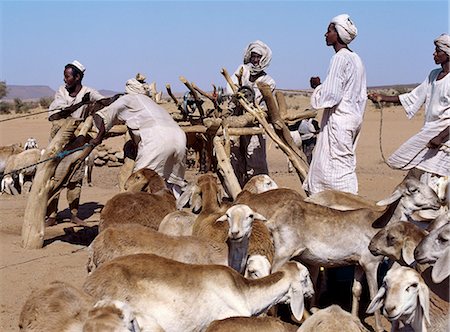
<point x="160" y="140"/>
<point x="70" y="101"/>
<point x="248" y="153"/>
<point x="428" y="152"/>
<point x="343" y="96"/>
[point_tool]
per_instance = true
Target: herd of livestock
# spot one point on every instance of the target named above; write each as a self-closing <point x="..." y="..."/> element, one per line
<point x="204" y="263"/>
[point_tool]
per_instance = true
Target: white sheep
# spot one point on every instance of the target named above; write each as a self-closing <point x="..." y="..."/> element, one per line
<point x="31" y="143"/>
<point x="178" y="223"/>
<point x="121" y="240"/>
<point x="434" y="249"/>
<point x="404" y="297"/>
<point x="332" y="319"/>
<point x="172" y="296"/>
<point x="60" y="307"/>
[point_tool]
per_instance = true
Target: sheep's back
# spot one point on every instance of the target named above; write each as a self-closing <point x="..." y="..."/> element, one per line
<point x="140" y="208"/>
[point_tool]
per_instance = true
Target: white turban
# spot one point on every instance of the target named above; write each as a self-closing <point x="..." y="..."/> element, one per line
<point x="77" y="64"/>
<point x="443" y="42"/>
<point x="133" y="86"/>
<point x="262" y="49"/>
<point x="345" y="28"/>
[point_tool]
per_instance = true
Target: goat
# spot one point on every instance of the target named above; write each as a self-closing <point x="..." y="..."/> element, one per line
<point x="121" y="240"/>
<point x="251" y="324"/>
<point x="172" y="296"/>
<point x="60" y="307"/>
<point x="404" y="297"/>
<point x="332" y="319"/>
<point x="435" y="249"/>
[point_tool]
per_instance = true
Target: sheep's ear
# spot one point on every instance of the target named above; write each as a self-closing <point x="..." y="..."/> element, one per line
<point x="222" y="218"/>
<point x="424" y="300"/>
<point x="408" y="252"/>
<point x="185" y="196"/>
<point x="391" y="199"/>
<point x="429" y="214"/>
<point x="297" y="302"/>
<point x="441" y="268"/>
<point x="377" y="301"/>
<point x="257" y="216"/>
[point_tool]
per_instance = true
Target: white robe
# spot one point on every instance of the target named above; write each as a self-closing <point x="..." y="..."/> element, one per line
<point x="161" y="141"/>
<point x="63" y="100"/>
<point x="414" y="153"/>
<point x="343" y="94"/>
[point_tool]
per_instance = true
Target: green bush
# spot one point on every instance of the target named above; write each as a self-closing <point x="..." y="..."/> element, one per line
<point x="45" y="102"/>
<point x="5" y="108"/>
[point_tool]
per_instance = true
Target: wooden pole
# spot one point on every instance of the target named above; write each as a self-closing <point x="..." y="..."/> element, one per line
<point x="225" y="169"/>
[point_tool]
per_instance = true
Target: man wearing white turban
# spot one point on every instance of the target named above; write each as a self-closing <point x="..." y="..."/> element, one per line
<point x="248" y="153"/>
<point x="160" y="140"/>
<point x="70" y="101"/>
<point x="427" y="154"/>
<point x="343" y="96"/>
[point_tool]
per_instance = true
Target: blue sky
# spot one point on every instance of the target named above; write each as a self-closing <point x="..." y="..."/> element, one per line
<point x="195" y="39"/>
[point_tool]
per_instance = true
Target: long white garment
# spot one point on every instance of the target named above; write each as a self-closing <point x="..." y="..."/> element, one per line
<point x="414" y="153"/>
<point x="63" y="100"/>
<point x="246" y="81"/>
<point x="161" y="141"/>
<point x="343" y="94"/>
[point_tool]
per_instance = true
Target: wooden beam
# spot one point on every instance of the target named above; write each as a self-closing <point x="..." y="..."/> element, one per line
<point x="225" y="169"/>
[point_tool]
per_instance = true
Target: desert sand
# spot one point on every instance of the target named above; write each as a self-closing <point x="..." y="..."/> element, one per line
<point x="64" y="256"/>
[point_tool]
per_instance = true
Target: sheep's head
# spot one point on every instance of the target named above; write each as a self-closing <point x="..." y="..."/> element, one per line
<point x="396" y="241"/>
<point x="111" y="316"/>
<point x="145" y="179"/>
<point x="301" y="287"/>
<point x="259" y="184"/>
<point x="414" y="196"/>
<point x="435" y="249"/>
<point x="240" y="218"/>
<point x="403" y="295"/>
<point x="257" y="266"/>
<point x="31" y="143"/>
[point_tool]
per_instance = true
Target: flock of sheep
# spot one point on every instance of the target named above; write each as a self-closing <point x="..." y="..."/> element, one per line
<point x="161" y="268"/>
<point x="201" y="263"/>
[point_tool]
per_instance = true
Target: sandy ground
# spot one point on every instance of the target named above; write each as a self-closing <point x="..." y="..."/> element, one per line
<point x="64" y="256"/>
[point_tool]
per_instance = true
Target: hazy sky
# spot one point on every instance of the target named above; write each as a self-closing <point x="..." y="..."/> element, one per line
<point x="166" y="39"/>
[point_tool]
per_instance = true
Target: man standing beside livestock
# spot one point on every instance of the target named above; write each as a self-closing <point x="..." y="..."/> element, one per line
<point x="343" y="95"/>
<point x="70" y="101"/>
<point x="248" y="153"/>
<point x="160" y="140"/>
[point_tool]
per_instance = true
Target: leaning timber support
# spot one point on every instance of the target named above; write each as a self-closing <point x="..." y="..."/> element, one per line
<point x="225" y="169"/>
<point x="43" y="187"/>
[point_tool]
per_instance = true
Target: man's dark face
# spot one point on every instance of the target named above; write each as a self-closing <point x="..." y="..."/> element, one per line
<point x="70" y="78"/>
<point x="331" y="36"/>
<point x="440" y="56"/>
<point x="255" y="58"/>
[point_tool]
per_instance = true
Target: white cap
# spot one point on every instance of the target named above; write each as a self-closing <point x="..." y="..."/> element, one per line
<point x="78" y="65"/>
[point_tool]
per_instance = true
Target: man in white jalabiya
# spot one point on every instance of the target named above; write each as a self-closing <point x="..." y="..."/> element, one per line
<point x="160" y="140"/>
<point x="248" y="155"/>
<point x="343" y="95"/>
<point x="427" y="154"/>
<point x="70" y="101"/>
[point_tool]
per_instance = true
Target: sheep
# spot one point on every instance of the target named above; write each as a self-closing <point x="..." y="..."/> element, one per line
<point x="121" y="240"/>
<point x="6" y="152"/>
<point x="397" y="240"/>
<point x="304" y="229"/>
<point x="260" y="183"/>
<point x="31" y="143"/>
<point x="178" y="223"/>
<point x="146" y="180"/>
<point x="435" y="249"/>
<point x="173" y="296"/>
<point x="332" y="319"/>
<point x="405" y="299"/>
<point x="251" y="324"/>
<point x="60" y="307"/>
<point x="343" y="201"/>
<point x="16" y="163"/>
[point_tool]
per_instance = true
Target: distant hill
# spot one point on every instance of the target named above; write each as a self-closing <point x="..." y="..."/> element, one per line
<point x="28" y="92"/>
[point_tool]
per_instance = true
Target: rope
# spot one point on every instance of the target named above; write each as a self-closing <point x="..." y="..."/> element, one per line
<point x="23" y="116"/>
<point x="59" y="155"/>
<point x="381" y="145"/>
